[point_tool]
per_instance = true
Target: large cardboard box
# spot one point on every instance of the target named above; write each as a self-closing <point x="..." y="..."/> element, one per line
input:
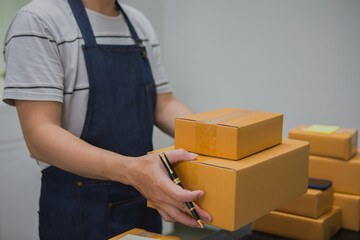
<point x="229" y="133"/>
<point x="311" y="204"/>
<point x="238" y="192"/>
<point x="350" y="210"/>
<point x="142" y="233"/>
<point x="298" y="227"/>
<point x="340" y="144"/>
<point x="345" y="175"/>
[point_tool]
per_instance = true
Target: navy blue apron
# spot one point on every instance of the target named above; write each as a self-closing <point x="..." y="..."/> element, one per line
<point x="119" y="118"/>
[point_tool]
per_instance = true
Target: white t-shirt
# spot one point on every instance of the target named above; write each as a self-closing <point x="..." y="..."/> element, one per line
<point x="45" y="60"/>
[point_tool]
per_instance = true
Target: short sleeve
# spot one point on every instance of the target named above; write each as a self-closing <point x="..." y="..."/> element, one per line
<point x="161" y="80"/>
<point x="33" y="66"/>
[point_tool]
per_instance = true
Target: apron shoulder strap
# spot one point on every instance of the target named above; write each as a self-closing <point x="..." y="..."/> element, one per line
<point x="83" y="22"/>
<point x="134" y="35"/>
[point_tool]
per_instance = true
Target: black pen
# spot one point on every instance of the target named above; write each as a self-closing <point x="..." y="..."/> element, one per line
<point x="177" y="181"/>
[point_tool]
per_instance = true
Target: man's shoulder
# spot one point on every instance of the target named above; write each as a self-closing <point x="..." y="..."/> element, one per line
<point x="54" y="15"/>
<point x="47" y="8"/>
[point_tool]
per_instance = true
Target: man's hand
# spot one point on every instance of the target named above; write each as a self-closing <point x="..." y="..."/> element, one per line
<point x="151" y="179"/>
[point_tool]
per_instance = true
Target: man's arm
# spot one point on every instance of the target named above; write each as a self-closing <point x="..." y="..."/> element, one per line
<point x="47" y="141"/>
<point x="167" y="109"/>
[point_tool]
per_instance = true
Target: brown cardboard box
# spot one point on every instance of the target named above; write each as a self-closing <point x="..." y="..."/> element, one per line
<point x="229" y="133"/>
<point x="341" y="144"/>
<point x="344" y="174"/>
<point x="238" y="192"/>
<point x="311" y="204"/>
<point x="142" y="233"/>
<point x="297" y="227"/>
<point x="350" y="210"/>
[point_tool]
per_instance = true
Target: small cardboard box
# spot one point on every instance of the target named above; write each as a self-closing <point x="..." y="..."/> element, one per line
<point x="345" y="175"/>
<point x="340" y="144"/>
<point x="298" y="227"/>
<point x="142" y="233"/>
<point x="229" y="133"/>
<point x="311" y="204"/>
<point x="350" y="210"/>
<point x="238" y="192"/>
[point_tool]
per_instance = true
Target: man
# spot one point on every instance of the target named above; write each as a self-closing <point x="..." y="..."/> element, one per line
<point x="88" y="84"/>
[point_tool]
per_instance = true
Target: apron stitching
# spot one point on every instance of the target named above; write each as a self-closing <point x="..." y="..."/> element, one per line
<point x="149" y="86"/>
<point x="92" y="183"/>
<point x="109" y="222"/>
<point x="115" y="49"/>
<point x="126" y="202"/>
<point x="87" y="124"/>
<point x="122" y="203"/>
<point x="80" y="214"/>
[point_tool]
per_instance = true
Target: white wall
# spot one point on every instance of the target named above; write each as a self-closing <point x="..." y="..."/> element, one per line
<point x="300" y="58"/>
<point x="19" y="181"/>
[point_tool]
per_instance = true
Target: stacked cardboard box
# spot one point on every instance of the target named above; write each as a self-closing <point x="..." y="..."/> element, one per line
<point x="312" y="204"/>
<point x="310" y="216"/>
<point x="334" y="156"/>
<point x="298" y="227"/>
<point x="238" y="192"/>
<point x="328" y="141"/>
<point x="346" y="182"/>
<point x="229" y="133"/>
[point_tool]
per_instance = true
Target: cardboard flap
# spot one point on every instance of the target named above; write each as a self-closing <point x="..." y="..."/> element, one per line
<point x="231" y="117"/>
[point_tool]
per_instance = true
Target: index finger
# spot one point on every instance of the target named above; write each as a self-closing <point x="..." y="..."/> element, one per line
<point x="179" y="155"/>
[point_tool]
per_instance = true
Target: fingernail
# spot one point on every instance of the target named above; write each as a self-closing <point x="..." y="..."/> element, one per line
<point x="206" y="219"/>
<point x="193" y="155"/>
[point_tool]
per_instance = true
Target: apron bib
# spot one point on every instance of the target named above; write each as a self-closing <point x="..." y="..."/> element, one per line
<point x="119" y="118"/>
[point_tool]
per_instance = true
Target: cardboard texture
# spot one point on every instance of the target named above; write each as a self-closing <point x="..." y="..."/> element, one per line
<point x="341" y="144"/>
<point x="344" y="174"/>
<point x="238" y="192"/>
<point x="229" y="133"/>
<point x="350" y="210"/>
<point x="142" y="233"/>
<point x="311" y="204"/>
<point x="298" y="227"/>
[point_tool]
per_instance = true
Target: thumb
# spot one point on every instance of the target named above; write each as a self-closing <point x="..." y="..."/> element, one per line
<point x="179" y="155"/>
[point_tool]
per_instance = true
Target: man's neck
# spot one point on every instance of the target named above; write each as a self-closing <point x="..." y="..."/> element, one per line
<point x="105" y="7"/>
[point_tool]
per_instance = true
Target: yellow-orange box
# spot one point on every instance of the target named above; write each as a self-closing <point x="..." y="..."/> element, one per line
<point x="341" y="144"/>
<point x="142" y="233"/>
<point x="350" y="210"/>
<point x="312" y="204"/>
<point x="238" y="192"/>
<point x="345" y="175"/>
<point x="298" y="227"/>
<point x="229" y="133"/>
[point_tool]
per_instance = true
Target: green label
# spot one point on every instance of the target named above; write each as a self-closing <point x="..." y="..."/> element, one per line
<point x="322" y="129"/>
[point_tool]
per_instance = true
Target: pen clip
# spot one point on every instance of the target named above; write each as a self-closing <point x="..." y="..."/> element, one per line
<point x="166" y="162"/>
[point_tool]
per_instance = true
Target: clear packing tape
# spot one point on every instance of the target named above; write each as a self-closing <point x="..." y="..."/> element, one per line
<point x="207" y="130"/>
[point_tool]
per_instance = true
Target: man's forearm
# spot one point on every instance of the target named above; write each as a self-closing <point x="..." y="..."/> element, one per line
<point x="68" y="152"/>
<point x="48" y="142"/>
